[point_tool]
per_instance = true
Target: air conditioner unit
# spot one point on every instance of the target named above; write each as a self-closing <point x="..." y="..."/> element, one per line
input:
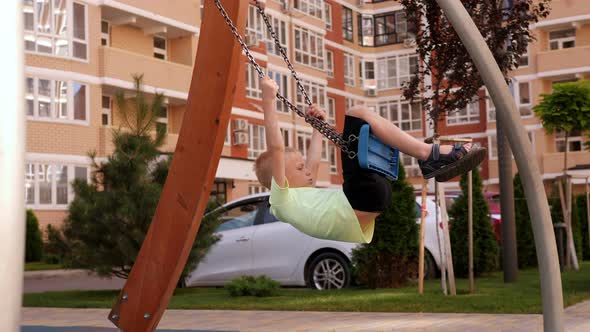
<point x="251" y="39"/>
<point x="240" y="138"/>
<point x="240" y="125"/>
<point x="409" y="42"/>
<point x="371" y="92"/>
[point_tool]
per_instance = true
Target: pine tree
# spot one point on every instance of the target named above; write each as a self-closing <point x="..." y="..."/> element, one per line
<point x="109" y="217"/>
<point x="34" y="243"/>
<point x="485" y="248"/>
<point x="527" y="254"/>
<point x="391" y="258"/>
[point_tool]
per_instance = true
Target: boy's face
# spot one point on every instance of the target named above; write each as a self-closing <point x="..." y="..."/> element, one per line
<point x="296" y="172"/>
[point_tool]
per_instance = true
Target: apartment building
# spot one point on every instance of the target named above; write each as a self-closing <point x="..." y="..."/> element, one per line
<point x="79" y="53"/>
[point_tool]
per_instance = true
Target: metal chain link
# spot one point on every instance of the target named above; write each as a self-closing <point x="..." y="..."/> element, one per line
<point x="321" y="126"/>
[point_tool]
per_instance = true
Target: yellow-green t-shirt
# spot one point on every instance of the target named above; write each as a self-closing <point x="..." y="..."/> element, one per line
<point x="321" y="213"/>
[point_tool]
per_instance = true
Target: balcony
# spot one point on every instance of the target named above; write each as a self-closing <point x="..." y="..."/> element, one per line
<point x="553" y="162"/>
<point x="121" y="65"/>
<point x="557" y="62"/>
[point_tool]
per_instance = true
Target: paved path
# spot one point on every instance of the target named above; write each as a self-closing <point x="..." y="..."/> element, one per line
<point x="61" y="280"/>
<point x="94" y="320"/>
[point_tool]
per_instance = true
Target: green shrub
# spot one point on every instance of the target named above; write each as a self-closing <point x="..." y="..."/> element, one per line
<point x="577" y="218"/>
<point x="260" y="286"/>
<point x="34" y="244"/>
<point x="391" y="259"/>
<point x="485" y="247"/>
<point x="527" y="254"/>
<point x="583" y="219"/>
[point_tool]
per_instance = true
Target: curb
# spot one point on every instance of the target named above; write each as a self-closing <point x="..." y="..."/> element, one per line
<point x="28" y="275"/>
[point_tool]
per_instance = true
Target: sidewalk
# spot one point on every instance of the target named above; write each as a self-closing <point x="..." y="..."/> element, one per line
<point x="62" y="280"/>
<point x="94" y="320"/>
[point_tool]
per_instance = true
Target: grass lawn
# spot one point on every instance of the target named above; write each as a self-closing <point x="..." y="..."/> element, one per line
<point x="492" y="296"/>
<point x="40" y="266"/>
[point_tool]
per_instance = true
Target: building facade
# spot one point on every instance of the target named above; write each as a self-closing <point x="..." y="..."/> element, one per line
<point x="79" y="53"/>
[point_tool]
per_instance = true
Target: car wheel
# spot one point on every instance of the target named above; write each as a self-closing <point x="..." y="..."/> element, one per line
<point x="328" y="271"/>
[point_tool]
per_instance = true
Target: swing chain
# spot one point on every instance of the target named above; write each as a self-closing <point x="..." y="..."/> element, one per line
<point x="321" y="126"/>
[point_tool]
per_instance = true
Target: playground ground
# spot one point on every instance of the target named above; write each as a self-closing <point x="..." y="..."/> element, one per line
<point x="94" y="320"/>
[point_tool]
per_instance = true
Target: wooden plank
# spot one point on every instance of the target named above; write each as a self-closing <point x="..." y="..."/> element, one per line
<point x="164" y="252"/>
<point x="470" y="232"/>
<point x="447" y="243"/>
<point x="570" y="235"/>
<point x="567" y="261"/>
<point x="422" y="230"/>
<point x="439" y="238"/>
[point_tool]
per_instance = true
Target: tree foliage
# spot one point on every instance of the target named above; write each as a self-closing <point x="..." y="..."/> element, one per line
<point x="110" y="216"/>
<point x="455" y="80"/>
<point x="567" y="108"/>
<point x="527" y="254"/>
<point x="34" y="243"/>
<point x="391" y="258"/>
<point x="485" y="247"/>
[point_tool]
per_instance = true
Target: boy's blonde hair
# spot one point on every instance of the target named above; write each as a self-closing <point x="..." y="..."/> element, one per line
<point x="263" y="166"/>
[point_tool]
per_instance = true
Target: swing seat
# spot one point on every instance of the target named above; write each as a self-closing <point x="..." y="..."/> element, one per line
<point x="376" y="156"/>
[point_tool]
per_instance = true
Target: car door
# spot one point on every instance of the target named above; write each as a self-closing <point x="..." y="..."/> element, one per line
<point x="231" y="256"/>
<point x="277" y="247"/>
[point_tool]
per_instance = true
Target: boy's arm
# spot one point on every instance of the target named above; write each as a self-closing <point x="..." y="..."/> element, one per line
<point x="274" y="139"/>
<point x="314" y="153"/>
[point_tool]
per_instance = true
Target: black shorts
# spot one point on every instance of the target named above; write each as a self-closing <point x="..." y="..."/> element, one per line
<point x="366" y="190"/>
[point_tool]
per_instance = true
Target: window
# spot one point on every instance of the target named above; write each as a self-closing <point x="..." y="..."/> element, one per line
<point x="55" y="100"/>
<point x="333" y="159"/>
<point x="490" y="107"/>
<point x="160" y="47"/>
<point x="254" y="25"/>
<point x="349" y="69"/>
<point x="55" y="27"/>
<point x="347" y="29"/>
<point x="330" y="63"/>
<point x="469" y="114"/>
<point x="574" y="141"/>
<point x="309" y="48"/>
<point x="385" y="29"/>
<point x="257" y="144"/>
<point x="106" y="116"/>
<point x="202" y="6"/>
<point x="287" y="136"/>
<point x="410" y="165"/>
<point x="493" y="144"/>
<point x="104" y="33"/>
<point x="227" y="139"/>
<point x="368" y="75"/>
<point x="393" y="72"/>
<point x="562" y="39"/>
<point x="218" y="192"/>
<point x="315" y="91"/>
<point x="303" y="142"/>
<point x="525" y="104"/>
<point x="283" y="83"/>
<point x="324" y="153"/>
<point x="238" y="217"/>
<point x="280" y="28"/>
<point x="524" y="59"/>
<point x="349" y="103"/>
<point x="162" y="119"/>
<point x="49" y="184"/>
<point x="403" y="114"/>
<point x="310" y="7"/>
<point x="253" y="89"/>
<point x="254" y="189"/>
<point x="328" y="16"/>
<point x="331" y="111"/>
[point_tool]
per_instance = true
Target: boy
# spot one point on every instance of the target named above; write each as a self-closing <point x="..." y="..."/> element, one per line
<point x="348" y="214"/>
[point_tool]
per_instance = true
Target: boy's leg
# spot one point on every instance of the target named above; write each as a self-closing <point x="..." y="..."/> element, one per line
<point x="391" y="134"/>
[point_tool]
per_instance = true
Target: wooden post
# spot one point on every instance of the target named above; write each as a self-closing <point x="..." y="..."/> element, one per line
<point x="470" y="231"/>
<point x="441" y="246"/>
<point x="164" y="252"/>
<point x="562" y="200"/>
<point x="447" y="242"/>
<point x="422" y="229"/>
<point x="571" y="246"/>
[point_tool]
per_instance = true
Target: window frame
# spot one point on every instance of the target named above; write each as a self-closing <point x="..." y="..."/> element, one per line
<point x="255" y="91"/>
<point x="106" y="111"/>
<point x="281" y="28"/>
<point x="406" y="124"/>
<point x="570" y="140"/>
<point x="328" y="16"/>
<point x="70" y="17"/>
<point x="347" y="24"/>
<point x="71" y="176"/>
<point x="349" y="70"/>
<point x="160" y="51"/>
<point x="560" y="41"/>
<point x="284" y="84"/>
<point x="105" y="37"/>
<point x="255" y="151"/>
<point x="468" y="118"/>
<point x="330" y="63"/>
<point x="69" y="100"/>
<point x="304" y="38"/>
